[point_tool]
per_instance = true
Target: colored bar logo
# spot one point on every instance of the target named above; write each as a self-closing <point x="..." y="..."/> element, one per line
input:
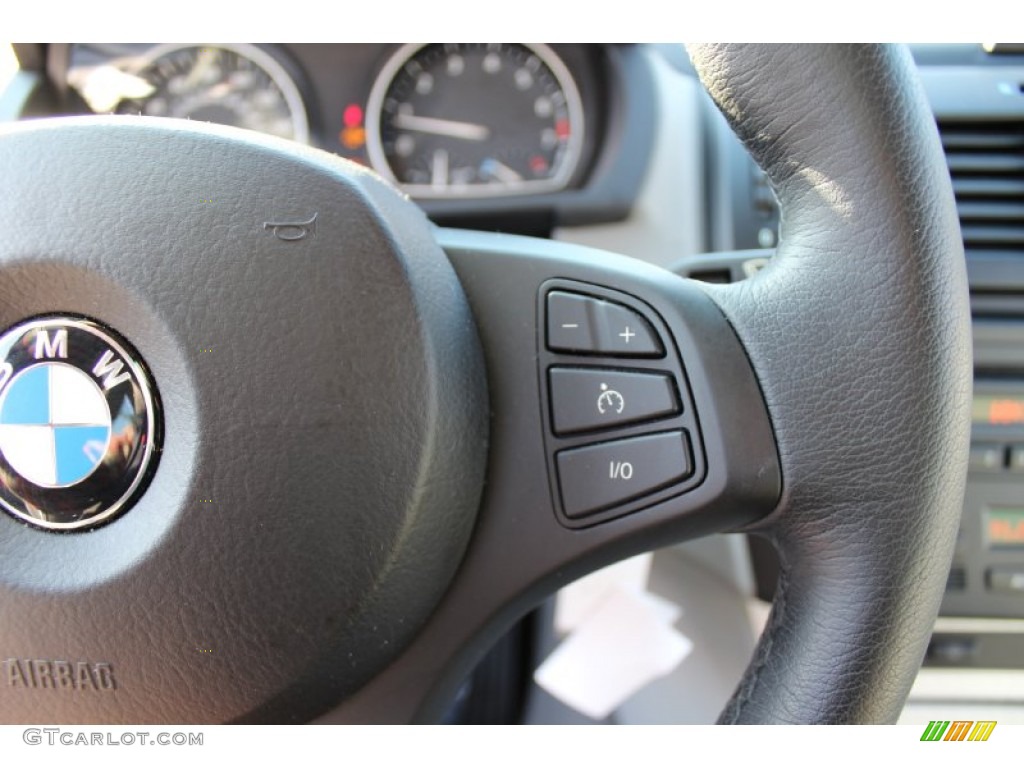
<point x="958" y="730"/>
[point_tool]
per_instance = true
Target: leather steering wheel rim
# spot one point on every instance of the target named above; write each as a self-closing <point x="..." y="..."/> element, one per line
<point x="860" y="334"/>
<point x="377" y="432"/>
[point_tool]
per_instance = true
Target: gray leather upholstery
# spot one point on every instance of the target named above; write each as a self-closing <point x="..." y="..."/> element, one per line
<point x="859" y="332"/>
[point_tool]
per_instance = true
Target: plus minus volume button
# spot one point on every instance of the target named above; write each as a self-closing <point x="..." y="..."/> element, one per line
<point x="622" y="332"/>
<point x="587" y="325"/>
<point x="569" y="323"/>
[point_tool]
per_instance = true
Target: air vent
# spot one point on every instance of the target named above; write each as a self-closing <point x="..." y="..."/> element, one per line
<point x="712" y="275"/>
<point x="957" y="579"/>
<point x="986" y="162"/>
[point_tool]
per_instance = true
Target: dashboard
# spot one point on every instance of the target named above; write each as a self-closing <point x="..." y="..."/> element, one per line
<point x="616" y="146"/>
<point x="471" y="131"/>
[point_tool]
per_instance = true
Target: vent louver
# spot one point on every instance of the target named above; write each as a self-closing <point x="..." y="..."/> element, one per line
<point x="986" y="162"/>
<point x="957" y="580"/>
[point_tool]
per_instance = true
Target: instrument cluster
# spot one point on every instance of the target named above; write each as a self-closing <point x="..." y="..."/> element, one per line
<point x="442" y="121"/>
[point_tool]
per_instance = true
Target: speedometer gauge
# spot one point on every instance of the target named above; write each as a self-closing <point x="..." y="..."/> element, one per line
<point x="232" y="84"/>
<point x="466" y="120"/>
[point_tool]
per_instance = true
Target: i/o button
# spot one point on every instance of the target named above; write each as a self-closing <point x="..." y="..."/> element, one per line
<point x="600" y="476"/>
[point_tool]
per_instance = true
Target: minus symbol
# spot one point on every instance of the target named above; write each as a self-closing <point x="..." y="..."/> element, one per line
<point x="570" y="325"/>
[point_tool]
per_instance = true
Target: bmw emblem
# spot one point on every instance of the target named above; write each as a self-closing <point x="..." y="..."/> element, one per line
<point x="78" y="423"/>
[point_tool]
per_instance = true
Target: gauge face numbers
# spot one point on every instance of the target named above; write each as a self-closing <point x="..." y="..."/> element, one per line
<point x="465" y="120"/>
<point x="237" y="84"/>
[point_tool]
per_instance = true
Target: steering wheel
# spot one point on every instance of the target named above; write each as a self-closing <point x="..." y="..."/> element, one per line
<point x="375" y="444"/>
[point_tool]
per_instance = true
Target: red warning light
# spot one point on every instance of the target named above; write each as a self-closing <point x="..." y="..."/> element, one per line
<point x="352" y="117"/>
<point x="538" y="164"/>
<point x="562" y="129"/>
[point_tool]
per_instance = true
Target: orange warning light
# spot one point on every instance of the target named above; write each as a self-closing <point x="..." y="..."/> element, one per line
<point x="1005" y="531"/>
<point x="353" y="137"/>
<point x="1006" y="412"/>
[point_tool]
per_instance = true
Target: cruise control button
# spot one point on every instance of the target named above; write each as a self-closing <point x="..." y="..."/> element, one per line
<point x="601" y="476"/>
<point x="578" y="323"/>
<point x="584" y="399"/>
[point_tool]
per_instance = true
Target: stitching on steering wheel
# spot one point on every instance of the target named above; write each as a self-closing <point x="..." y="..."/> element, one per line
<point x="730" y="715"/>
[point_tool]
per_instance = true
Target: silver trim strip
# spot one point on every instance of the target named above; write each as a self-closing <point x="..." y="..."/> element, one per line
<point x="974" y="626"/>
<point x="962" y="685"/>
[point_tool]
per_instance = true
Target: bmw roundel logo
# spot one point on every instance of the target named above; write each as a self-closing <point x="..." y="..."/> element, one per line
<point x="78" y="423"/>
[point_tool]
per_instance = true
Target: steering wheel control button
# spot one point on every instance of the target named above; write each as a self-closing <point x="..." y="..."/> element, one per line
<point x="600" y="476"/>
<point x="77" y="423"/>
<point x="585" y="332"/>
<point x="1017" y="458"/>
<point x="583" y="324"/>
<point x="986" y="457"/>
<point x="586" y="399"/>
<point x="1006" y="579"/>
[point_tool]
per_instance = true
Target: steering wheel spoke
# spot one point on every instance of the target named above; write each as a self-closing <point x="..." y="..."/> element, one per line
<point x="569" y="492"/>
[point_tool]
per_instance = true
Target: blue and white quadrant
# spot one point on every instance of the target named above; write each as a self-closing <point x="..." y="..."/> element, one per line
<point x="54" y="425"/>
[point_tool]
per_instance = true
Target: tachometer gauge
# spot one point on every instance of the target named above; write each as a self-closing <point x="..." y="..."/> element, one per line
<point x="466" y="120"/>
<point x="231" y="84"/>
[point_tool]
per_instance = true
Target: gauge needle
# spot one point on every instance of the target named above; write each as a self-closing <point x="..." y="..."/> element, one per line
<point x="499" y="171"/>
<point x="206" y="59"/>
<point x="453" y="128"/>
<point x="439" y="169"/>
